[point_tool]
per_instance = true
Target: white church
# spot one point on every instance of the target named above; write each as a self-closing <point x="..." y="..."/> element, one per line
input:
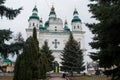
<point x="56" y="31"/>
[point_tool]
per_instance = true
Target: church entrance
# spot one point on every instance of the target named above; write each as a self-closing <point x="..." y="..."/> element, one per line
<point x="56" y="67"/>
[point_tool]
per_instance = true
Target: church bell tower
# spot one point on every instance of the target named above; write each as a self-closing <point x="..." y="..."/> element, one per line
<point x="76" y="22"/>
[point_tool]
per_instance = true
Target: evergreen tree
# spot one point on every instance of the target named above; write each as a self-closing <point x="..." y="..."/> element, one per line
<point x="17" y="45"/>
<point x="31" y="64"/>
<point x="5" y="49"/>
<point x="44" y="66"/>
<point x="45" y="50"/>
<point x="27" y="64"/>
<point x="42" y="58"/>
<point x="106" y="35"/>
<point x="35" y="37"/>
<point x="72" y="56"/>
<point x="4" y="36"/>
<point x="8" y="12"/>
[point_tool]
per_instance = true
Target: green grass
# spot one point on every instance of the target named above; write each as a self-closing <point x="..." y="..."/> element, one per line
<point x="90" y="78"/>
<point x="6" y="77"/>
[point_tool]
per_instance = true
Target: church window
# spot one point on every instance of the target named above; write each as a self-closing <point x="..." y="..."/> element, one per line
<point x="74" y="27"/>
<point x="30" y="25"/>
<point x="37" y="25"/>
<point x="55" y="28"/>
<point x="33" y="24"/>
<point x="78" y="26"/>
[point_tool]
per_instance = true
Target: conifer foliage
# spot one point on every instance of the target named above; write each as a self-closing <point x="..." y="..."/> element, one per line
<point x="72" y="56"/>
<point x="31" y="64"/>
<point x="5" y="34"/>
<point x="106" y="35"/>
<point x="5" y="49"/>
<point x="45" y="50"/>
<point x="8" y="12"/>
<point x="27" y="63"/>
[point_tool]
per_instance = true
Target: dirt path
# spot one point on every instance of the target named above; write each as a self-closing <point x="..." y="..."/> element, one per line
<point x="56" y="76"/>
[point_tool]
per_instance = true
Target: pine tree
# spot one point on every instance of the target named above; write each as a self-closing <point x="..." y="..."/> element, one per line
<point x="106" y="39"/>
<point x="72" y="56"/>
<point x="8" y="12"/>
<point x="45" y="50"/>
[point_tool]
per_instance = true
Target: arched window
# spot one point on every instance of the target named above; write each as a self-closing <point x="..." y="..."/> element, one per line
<point x="33" y="24"/>
<point x="55" y="28"/>
<point x="78" y="27"/>
<point x="29" y="24"/>
<point x="74" y="27"/>
<point x="37" y="25"/>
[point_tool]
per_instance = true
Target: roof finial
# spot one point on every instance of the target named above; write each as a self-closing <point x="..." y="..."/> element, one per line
<point x="52" y="8"/>
<point x="35" y="5"/>
<point x="35" y="8"/>
<point x="65" y="21"/>
<point x="75" y="11"/>
<point x="41" y="19"/>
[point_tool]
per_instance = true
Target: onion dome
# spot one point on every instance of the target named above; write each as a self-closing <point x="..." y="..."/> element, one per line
<point x="76" y="17"/>
<point x="41" y="27"/>
<point x="47" y="23"/>
<point x="34" y="14"/>
<point x="52" y="13"/>
<point x="66" y="26"/>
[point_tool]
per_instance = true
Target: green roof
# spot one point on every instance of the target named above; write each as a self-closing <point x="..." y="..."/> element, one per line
<point x="66" y="28"/>
<point x="35" y="9"/>
<point x="41" y="27"/>
<point x="47" y="23"/>
<point x="52" y="12"/>
<point x="76" y="19"/>
<point x="7" y="60"/>
<point x="34" y="16"/>
<point x="75" y="12"/>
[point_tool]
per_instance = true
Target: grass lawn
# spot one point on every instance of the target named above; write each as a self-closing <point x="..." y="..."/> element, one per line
<point x="6" y="77"/>
<point x="90" y="78"/>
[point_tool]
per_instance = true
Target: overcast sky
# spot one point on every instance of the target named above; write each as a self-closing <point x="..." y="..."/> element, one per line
<point x="64" y="10"/>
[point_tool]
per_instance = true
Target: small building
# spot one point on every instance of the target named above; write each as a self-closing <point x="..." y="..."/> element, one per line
<point x="6" y="65"/>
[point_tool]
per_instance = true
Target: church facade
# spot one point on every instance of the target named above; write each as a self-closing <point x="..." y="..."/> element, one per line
<point x="55" y="31"/>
